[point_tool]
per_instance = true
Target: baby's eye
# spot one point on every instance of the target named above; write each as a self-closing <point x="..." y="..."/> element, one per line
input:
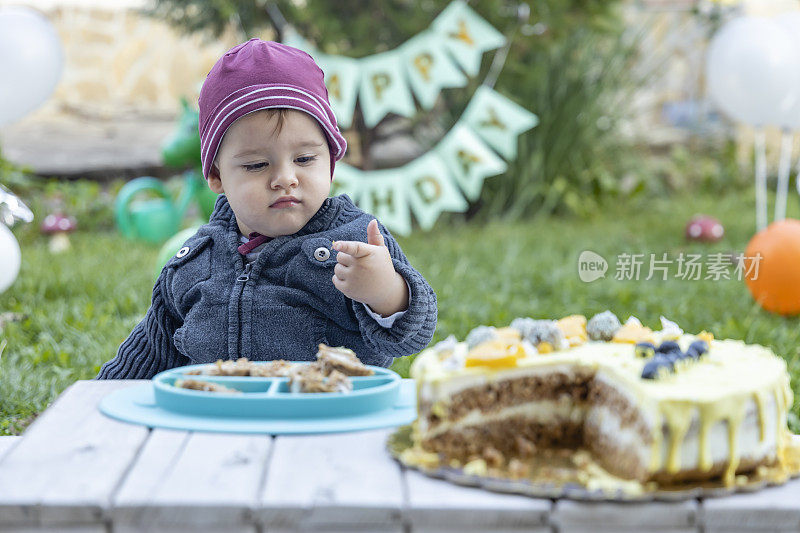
<point x="304" y="160"/>
<point x="255" y="167"/>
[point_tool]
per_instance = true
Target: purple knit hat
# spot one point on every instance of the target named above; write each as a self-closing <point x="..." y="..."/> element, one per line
<point x="263" y="75"/>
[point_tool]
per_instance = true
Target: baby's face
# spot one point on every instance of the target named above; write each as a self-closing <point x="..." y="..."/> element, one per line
<point x="259" y="168"/>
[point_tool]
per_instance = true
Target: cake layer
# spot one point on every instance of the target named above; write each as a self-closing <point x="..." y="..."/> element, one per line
<point x="514" y="436"/>
<point x="507" y="390"/>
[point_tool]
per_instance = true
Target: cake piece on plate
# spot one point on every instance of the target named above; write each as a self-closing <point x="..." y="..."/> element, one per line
<point x="196" y="384"/>
<point x="314" y="377"/>
<point x="271" y="369"/>
<point x="343" y="360"/>
<point x="240" y="367"/>
<point x="243" y="367"/>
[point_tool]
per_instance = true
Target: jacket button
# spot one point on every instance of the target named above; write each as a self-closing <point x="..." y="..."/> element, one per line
<point x="183" y="251"/>
<point x="322" y="254"/>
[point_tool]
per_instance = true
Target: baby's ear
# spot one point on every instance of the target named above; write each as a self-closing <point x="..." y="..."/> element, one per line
<point x="214" y="179"/>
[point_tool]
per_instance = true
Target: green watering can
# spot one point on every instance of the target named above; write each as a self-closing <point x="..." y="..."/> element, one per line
<point x="145" y="210"/>
<point x="151" y="220"/>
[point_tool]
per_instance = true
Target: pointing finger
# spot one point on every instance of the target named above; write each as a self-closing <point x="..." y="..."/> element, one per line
<point x="374" y="236"/>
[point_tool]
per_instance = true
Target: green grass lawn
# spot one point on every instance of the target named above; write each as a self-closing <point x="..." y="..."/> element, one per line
<point x="79" y="306"/>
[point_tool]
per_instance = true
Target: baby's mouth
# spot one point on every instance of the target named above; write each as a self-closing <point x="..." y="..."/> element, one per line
<point x="287" y="201"/>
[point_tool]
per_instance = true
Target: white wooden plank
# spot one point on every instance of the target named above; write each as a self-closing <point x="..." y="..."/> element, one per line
<point x="616" y="515"/>
<point x="346" y="529"/>
<point x="434" y="503"/>
<point x="345" y="480"/>
<point x="69" y="461"/>
<point x="6" y="443"/>
<point x="96" y="528"/>
<point x="738" y="530"/>
<point x="186" y="529"/>
<point x="192" y="480"/>
<point x="632" y="529"/>
<point x="482" y="529"/>
<point x="768" y="509"/>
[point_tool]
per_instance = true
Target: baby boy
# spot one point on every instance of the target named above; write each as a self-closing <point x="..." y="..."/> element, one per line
<point x="280" y="267"/>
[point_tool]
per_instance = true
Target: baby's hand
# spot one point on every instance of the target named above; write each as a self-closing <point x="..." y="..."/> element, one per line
<point x="364" y="272"/>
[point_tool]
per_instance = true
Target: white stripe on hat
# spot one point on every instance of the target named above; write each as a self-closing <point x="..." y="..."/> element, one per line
<point x="327" y="112"/>
<point x="207" y="161"/>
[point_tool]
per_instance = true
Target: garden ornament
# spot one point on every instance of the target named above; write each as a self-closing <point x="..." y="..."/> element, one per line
<point x="703" y="228"/>
<point x="11" y="210"/>
<point x="145" y="210"/>
<point x="182" y="149"/>
<point x="152" y="219"/>
<point x="57" y="226"/>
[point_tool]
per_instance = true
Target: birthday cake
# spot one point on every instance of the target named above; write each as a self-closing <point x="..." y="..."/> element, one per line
<point x="648" y="406"/>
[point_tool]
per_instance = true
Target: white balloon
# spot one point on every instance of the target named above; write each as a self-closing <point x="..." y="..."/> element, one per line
<point x="753" y="71"/>
<point x="31" y="60"/>
<point x="790" y="22"/>
<point x="10" y="258"/>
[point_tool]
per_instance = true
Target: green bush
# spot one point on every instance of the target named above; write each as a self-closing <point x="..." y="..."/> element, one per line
<point x="575" y="157"/>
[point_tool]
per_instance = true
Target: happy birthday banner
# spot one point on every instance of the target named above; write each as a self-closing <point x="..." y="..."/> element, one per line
<point x="443" y="56"/>
<point x="439" y="180"/>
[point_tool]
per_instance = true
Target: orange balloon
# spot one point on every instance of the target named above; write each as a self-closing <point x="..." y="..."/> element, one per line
<point x="774" y="279"/>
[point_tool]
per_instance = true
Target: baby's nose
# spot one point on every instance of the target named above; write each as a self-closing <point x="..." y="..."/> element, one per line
<point x="283" y="177"/>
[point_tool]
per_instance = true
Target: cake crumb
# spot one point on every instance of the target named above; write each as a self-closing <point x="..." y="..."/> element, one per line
<point x="493" y="457"/>
<point x="476" y="467"/>
<point x="525" y="448"/>
<point x="518" y="469"/>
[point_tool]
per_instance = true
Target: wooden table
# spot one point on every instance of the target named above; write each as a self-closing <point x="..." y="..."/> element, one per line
<point x="77" y="470"/>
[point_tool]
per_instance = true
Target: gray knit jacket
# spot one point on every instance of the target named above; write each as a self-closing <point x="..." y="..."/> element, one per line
<point x="208" y="304"/>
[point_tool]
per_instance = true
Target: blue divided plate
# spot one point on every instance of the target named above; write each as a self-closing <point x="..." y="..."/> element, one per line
<point x="265" y="404"/>
<point x="271" y="397"/>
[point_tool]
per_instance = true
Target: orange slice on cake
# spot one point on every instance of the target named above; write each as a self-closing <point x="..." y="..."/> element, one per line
<point x="574" y="329"/>
<point x="496" y="353"/>
<point x="633" y="333"/>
